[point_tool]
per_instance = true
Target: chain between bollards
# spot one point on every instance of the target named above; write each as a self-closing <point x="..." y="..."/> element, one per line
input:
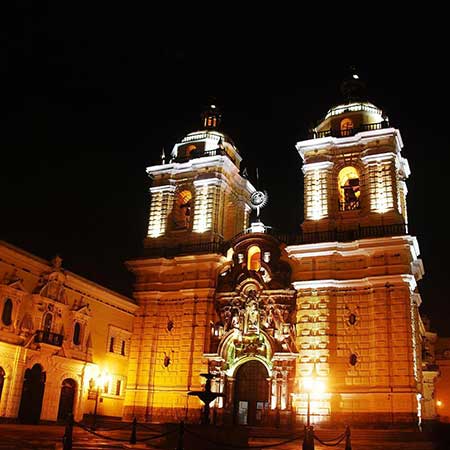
<point x="133" y="432"/>
<point x="68" y="433"/>
<point x="180" y="445"/>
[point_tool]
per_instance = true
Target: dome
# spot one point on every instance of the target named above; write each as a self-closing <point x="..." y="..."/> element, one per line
<point x="350" y="118"/>
<point x="354" y="115"/>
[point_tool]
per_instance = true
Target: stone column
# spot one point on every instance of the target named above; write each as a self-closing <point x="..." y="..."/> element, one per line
<point x="284" y="390"/>
<point x="15" y="384"/>
<point x="50" y="402"/>
<point x="229" y="393"/>
<point x="273" y="390"/>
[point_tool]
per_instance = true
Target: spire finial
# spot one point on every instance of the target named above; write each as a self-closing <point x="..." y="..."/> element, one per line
<point x="352" y="87"/>
<point x="211" y="115"/>
<point x="163" y="156"/>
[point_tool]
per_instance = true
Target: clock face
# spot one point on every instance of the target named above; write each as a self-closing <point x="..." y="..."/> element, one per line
<point x="258" y="199"/>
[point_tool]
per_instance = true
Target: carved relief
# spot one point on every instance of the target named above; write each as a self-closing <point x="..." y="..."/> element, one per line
<point x="257" y="259"/>
<point x="255" y="304"/>
<point x="51" y="285"/>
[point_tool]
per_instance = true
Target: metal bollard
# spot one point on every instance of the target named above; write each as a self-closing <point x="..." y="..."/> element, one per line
<point x="181" y="437"/>
<point x="68" y="433"/>
<point x="133" y="432"/>
<point x="308" y="440"/>
<point x="348" y="443"/>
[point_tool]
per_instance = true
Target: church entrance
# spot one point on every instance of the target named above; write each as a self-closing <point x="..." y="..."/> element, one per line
<point x="67" y="398"/>
<point x="32" y="395"/>
<point x="251" y="394"/>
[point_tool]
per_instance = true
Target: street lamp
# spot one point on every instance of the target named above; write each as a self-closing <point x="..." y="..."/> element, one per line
<point x="314" y="386"/>
<point x="98" y="382"/>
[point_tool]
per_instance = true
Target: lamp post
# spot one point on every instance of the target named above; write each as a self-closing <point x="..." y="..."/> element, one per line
<point x="99" y="381"/>
<point x="97" y="394"/>
<point x="310" y="385"/>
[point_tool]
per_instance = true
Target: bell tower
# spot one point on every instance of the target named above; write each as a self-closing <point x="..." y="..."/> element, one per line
<point x="199" y="200"/>
<point x="354" y="173"/>
<point x="356" y="269"/>
<point x="191" y="192"/>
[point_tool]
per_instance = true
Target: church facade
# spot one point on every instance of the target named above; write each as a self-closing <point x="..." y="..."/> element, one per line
<point x="330" y="315"/>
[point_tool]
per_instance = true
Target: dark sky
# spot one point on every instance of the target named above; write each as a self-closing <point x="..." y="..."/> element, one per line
<point x="91" y="92"/>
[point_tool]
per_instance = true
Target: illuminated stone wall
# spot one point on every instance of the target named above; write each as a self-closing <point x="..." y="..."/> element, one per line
<point x="316" y="190"/>
<point x="161" y="205"/>
<point x="171" y="332"/>
<point x="216" y="187"/>
<point x="358" y="328"/>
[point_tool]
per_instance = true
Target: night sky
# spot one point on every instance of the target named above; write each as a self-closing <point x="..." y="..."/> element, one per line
<point x="92" y="92"/>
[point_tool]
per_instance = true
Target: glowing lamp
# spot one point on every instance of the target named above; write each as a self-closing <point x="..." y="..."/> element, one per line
<point x="312" y="385"/>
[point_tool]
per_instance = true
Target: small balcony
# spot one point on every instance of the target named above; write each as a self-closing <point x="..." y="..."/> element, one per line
<point x="47" y="337"/>
<point x="220" y="246"/>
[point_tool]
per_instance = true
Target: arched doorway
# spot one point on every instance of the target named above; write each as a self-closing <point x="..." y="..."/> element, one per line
<point x="251" y="394"/>
<point x="67" y="398"/>
<point x="32" y="395"/>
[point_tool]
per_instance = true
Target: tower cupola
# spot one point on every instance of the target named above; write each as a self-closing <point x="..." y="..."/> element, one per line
<point x="211" y="117"/>
<point x="191" y="194"/>
<point x="353" y="115"/>
<point x="208" y="141"/>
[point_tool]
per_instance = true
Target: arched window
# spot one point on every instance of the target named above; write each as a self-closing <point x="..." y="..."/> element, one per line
<point x="2" y="380"/>
<point x="190" y="148"/>
<point x="7" y="312"/>
<point x="77" y="334"/>
<point x="254" y="258"/>
<point x="182" y="210"/>
<point x="48" y="319"/>
<point x="348" y="187"/>
<point x="346" y="127"/>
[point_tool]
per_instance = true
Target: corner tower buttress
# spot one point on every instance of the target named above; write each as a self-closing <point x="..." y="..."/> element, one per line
<point x="191" y="194"/>
<point x="354" y="174"/>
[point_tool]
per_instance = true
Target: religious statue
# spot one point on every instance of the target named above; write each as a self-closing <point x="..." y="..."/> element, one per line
<point x="251" y="317"/>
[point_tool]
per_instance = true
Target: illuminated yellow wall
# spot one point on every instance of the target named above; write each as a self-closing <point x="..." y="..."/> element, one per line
<point x="161" y="205"/>
<point x="171" y="334"/>
<point x="348" y="305"/>
<point x="316" y="192"/>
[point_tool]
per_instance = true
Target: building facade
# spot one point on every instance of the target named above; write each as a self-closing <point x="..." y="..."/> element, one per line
<point x="334" y="308"/>
<point x="64" y="341"/>
<point x="327" y="317"/>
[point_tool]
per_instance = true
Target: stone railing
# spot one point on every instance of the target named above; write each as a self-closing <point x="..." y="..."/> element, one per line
<point x="221" y="246"/>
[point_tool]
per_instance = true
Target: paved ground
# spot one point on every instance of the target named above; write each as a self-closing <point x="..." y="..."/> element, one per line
<point x="45" y="437"/>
